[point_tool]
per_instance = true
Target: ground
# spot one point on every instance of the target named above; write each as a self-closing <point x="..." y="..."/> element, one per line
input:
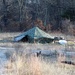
<point x="20" y="58"/>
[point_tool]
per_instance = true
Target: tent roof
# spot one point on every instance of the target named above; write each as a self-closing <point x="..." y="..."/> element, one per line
<point x="34" y="33"/>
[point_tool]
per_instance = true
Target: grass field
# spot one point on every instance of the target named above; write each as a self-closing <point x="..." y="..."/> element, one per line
<point x="35" y="66"/>
<point x="21" y="61"/>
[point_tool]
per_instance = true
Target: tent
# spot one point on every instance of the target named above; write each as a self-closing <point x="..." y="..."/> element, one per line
<point x="34" y="35"/>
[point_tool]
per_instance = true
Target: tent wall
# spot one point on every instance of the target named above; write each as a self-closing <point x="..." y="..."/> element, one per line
<point x="34" y="35"/>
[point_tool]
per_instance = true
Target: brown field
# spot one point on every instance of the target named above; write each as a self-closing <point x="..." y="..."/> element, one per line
<point x="21" y="63"/>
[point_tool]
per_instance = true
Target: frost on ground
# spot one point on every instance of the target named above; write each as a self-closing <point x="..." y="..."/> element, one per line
<point x="19" y="59"/>
<point x="3" y="60"/>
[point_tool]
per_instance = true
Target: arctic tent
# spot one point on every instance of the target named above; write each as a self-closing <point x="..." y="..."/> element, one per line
<point x="34" y="34"/>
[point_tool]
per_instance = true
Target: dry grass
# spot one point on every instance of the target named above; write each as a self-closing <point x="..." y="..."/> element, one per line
<point x="21" y="64"/>
<point x="24" y="66"/>
<point x="35" y="66"/>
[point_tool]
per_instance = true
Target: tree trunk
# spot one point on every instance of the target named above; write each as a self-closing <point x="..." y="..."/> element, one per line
<point x="5" y="18"/>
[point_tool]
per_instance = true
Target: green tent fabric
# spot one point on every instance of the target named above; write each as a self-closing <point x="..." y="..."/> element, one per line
<point x="34" y="34"/>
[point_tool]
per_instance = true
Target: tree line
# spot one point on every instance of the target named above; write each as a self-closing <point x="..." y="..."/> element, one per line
<point x="19" y="15"/>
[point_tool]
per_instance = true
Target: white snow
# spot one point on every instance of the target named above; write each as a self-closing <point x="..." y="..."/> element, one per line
<point x="3" y="59"/>
<point x="32" y="49"/>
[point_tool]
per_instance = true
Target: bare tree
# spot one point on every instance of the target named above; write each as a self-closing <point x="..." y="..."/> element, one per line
<point x="20" y="4"/>
<point x="5" y="18"/>
<point x="68" y="27"/>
